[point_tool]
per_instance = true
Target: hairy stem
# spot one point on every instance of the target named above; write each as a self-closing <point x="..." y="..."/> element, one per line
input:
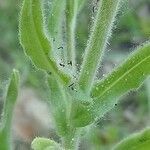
<point x="71" y="141"/>
<point x="55" y="21"/>
<point x="71" y="15"/>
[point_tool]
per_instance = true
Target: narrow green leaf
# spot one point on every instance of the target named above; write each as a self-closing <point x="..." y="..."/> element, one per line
<point x="138" y="141"/>
<point x="54" y="22"/>
<point x="55" y="17"/>
<point x="44" y="144"/>
<point x="97" y="42"/>
<point x="33" y="39"/>
<point x="128" y="76"/>
<point x="9" y="104"/>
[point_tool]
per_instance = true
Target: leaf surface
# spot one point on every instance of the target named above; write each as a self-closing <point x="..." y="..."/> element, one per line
<point x="33" y="39"/>
<point x="98" y="40"/>
<point x="9" y="104"/>
<point x="55" y="17"/>
<point x="138" y="141"/>
<point x="81" y="4"/>
<point x="44" y="144"/>
<point x="126" y="77"/>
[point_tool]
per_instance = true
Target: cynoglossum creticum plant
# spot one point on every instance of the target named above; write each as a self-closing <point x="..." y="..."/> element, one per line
<point x="9" y="104"/>
<point x="76" y="99"/>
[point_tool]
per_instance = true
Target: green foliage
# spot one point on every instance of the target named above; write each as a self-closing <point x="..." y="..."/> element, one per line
<point x="44" y="144"/>
<point x="54" y="24"/>
<point x="11" y="97"/>
<point x="31" y="29"/>
<point x="97" y="42"/>
<point x="59" y="103"/>
<point x="75" y="101"/>
<point x="55" y="19"/>
<point x="137" y="141"/>
<point x="127" y="76"/>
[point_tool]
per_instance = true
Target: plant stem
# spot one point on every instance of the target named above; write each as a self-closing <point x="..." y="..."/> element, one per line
<point x="55" y="21"/>
<point x="71" y="141"/>
<point x="71" y="15"/>
<point x="97" y="42"/>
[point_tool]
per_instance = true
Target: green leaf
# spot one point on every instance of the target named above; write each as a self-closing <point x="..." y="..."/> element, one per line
<point x="55" y="17"/>
<point x="138" y="141"/>
<point x="44" y="144"/>
<point x="32" y="37"/>
<point x="97" y="43"/>
<point x="54" y="23"/>
<point x="81" y="114"/>
<point x="127" y="76"/>
<point x="9" y="104"/>
<point x="34" y="41"/>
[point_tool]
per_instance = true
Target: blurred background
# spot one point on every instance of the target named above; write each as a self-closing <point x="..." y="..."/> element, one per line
<point x="32" y="115"/>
